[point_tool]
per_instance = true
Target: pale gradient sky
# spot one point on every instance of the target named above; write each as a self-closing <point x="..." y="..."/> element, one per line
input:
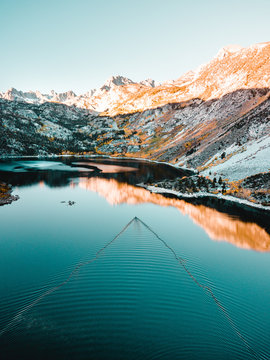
<point x="78" y="44"/>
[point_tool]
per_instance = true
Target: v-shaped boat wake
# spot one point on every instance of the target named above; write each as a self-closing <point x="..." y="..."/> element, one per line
<point x="179" y="259"/>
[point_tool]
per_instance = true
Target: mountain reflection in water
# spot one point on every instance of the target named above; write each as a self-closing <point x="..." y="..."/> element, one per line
<point x="219" y="226"/>
<point x="115" y="179"/>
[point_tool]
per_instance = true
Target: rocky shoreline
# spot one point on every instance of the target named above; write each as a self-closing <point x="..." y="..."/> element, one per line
<point x="253" y="190"/>
<point x="6" y="196"/>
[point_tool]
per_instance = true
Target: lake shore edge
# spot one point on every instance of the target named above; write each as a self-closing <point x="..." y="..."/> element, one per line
<point x="152" y="188"/>
<point x="6" y="196"/>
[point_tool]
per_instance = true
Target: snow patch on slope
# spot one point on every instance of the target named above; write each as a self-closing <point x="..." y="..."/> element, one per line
<point x="252" y="160"/>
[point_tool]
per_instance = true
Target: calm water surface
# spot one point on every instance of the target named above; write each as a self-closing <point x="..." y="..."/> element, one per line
<point x="126" y="274"/>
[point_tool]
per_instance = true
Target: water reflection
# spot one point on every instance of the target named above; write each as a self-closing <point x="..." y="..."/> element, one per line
<point x="114" y="179"/>
<point x="57" y="173"/>
<point x="219" y="226"/>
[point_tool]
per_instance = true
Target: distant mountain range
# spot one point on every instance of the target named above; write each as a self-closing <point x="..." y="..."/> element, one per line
<point x="214" y="119"/>
<point x="114" y="90"/>
<point x="233" y="68"/>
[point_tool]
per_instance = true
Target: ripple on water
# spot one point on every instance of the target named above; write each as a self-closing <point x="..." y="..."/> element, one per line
<point x="134" y="300"/>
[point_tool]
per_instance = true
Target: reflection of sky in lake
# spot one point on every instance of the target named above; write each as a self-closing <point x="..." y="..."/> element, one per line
<point x="22" y="166"/>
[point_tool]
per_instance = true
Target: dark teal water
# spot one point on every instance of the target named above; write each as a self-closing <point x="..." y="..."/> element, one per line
<point x="125" y="275"/>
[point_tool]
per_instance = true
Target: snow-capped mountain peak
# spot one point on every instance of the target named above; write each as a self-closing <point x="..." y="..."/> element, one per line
<point x="116" y="81"/>
<point x="227" y="50"/>
<point x="148" y="82"/>
<point x="233" y="68"/>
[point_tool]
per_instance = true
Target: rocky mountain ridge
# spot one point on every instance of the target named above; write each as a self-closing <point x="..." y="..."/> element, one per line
<point x="115" y="89"/>
<point x="233" y="68"/>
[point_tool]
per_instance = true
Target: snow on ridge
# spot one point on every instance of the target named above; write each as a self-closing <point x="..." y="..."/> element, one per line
<point x="117" y="80"/>
<point x="114" y="90"/>
<point x="227" y="50"/>
<point x="260" y="45"/>
<point x="233" y="68"/>
<point x="148" y="82"/>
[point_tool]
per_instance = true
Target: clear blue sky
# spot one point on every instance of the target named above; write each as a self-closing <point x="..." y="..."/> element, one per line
<point x="78" y="44"/>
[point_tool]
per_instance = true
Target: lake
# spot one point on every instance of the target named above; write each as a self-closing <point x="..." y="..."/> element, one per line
<point x="94" y="267"/>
